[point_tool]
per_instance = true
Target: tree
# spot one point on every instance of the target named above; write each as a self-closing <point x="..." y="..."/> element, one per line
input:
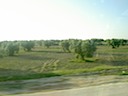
<point x="12" y="48"/>
<point x="90" y="48"/>
<point x="28" y="45"/>
<point x="78" y="50"/>
<point x="40" y="42"/>
<point x="3" y="52"/>
<point x="65" y="45"/>
<point x="123" y="42"/>
<point x="84" y="49"/>
<point x="48" y="43"/>
<point x="98" y="41"/>
<point x="115" y="43"/>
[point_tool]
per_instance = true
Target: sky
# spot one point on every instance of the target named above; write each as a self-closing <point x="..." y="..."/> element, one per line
<point x="63" y="19"/>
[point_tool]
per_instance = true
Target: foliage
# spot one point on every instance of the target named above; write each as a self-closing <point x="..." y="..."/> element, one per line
<point x="12" y="48"/>
<point x="98" y="41"/>
<point x="48" y="43"/>
<point x="115" y="43"/>
<point x="9" y="48"/>
<point x="65" y="45"/>
<point x="84" y="49"/>
<point x="3" y="53"/>
<point x="123" y="42"/>
<point x="39" y="42"/>
<point x="28" y="45"/>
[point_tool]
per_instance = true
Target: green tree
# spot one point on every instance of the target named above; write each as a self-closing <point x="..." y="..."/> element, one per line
<point x="123" y="42"/>
<point x="98" y="41"/>
<point x="39" y="42"/>
<point x="12" y="48"/>
<point x="115" y="43"/>
<point x="48" y="43"/>
<point x="28" y="45"/>
<point x="89" y="48"/>
<point x="84" y="49"/>
<point x="3" y="53"/>
<point x="65" y="45"/>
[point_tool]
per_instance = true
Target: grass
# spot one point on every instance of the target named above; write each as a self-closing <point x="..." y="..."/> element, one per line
<point x="27" y="76"/>
<point x="47" y="62"/>
<point x="101" y="70"/>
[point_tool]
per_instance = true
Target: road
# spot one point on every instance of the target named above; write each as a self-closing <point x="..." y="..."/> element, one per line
<point x="113" y="89"/>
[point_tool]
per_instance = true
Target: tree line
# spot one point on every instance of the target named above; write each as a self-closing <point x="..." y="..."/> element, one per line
<point x="81" y="48"/>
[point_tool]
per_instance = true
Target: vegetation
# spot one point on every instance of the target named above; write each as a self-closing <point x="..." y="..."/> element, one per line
<point x="93" y="58"/>
<point x="12" y="48"/>
<point x="3" y="53"/>
<point x="28" y="45"/>
<point x="84" y="49"/>
<point x="65" y="45"/>
<point x="115" y="43"/>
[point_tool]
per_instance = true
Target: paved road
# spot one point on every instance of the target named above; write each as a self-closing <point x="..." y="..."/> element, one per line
<point x="116" y="89"/>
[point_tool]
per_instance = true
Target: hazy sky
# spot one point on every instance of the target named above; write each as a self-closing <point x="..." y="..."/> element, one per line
<point x="62" y="19"/>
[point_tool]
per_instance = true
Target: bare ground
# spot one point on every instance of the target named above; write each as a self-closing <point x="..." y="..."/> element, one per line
<point x="56" y="83"/>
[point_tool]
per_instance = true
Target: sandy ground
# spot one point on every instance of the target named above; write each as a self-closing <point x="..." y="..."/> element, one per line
<point x="56" y="83"/>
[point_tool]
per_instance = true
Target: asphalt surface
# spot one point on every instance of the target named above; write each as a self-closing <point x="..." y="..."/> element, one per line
<point x="113" y="89"/>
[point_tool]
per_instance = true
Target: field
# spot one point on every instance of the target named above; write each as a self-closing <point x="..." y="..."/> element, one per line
<point x="47" y="62"/>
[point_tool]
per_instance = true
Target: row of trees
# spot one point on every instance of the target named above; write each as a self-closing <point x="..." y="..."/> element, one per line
<point x="82" y="48"/>
<point x="10" y="48"/>
<point x="115" y="43"/>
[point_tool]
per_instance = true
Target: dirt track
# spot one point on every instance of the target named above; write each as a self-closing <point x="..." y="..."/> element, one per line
<point x="116" y="89"/>
<point x="56" y="83"/>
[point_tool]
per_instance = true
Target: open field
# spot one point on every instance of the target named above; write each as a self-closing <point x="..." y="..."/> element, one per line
<point x="47" y="62"/>
<point x="51" y="62"/>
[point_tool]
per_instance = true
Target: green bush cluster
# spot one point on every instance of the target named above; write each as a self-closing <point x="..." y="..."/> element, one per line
<point x="28" y="45"/>
<point x="81" y="48"/>
<point x="10" y="48"/>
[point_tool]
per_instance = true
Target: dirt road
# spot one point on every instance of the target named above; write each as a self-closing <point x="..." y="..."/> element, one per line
<point x="117" y="89"/>
<point x="73" y="85"/>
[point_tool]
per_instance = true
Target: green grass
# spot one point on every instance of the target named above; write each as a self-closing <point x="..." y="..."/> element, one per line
<point x="47" y="62"/>
<point x="101" y="70"/>
<point x="27" y="76"/>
